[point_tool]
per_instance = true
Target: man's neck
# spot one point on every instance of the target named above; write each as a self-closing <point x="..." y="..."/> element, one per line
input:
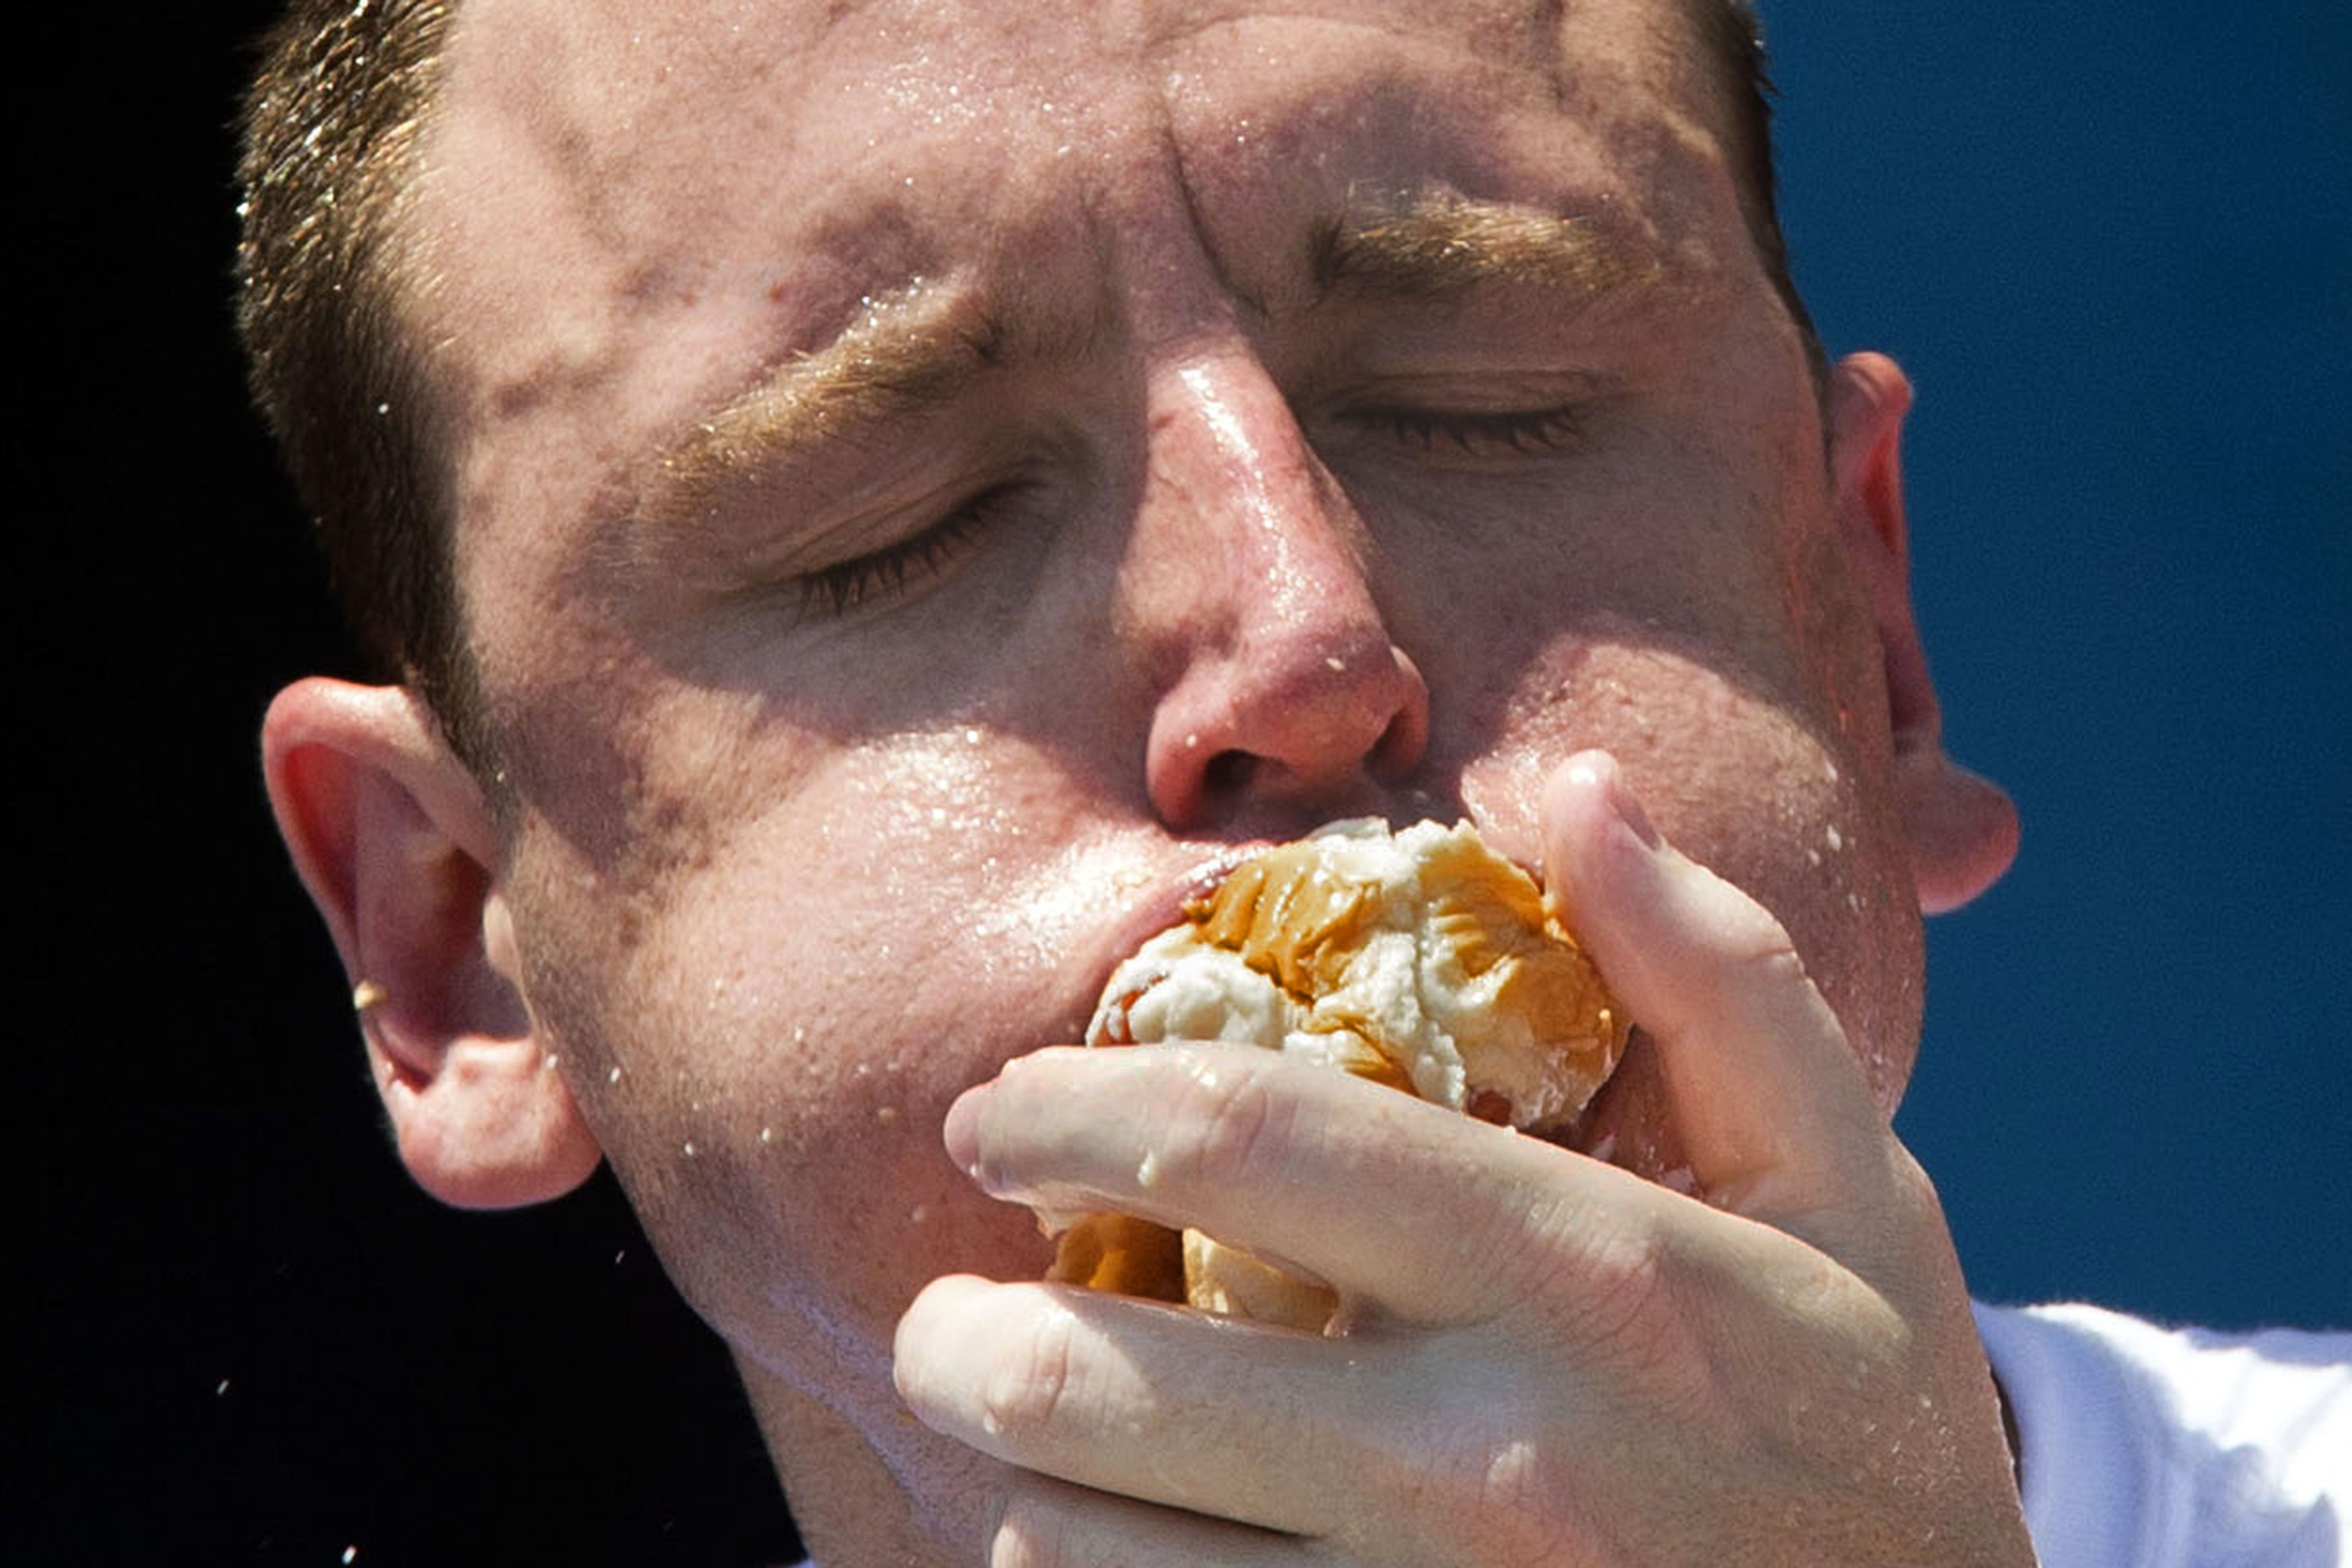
<point x="847" y="1502"/>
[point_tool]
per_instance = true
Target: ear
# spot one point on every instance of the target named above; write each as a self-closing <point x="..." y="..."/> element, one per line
<point x="391" y="834"/>
<point x="1963" y="828"/>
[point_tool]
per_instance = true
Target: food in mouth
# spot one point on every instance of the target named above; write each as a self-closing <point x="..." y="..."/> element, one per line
<point x="1419" y="959"/>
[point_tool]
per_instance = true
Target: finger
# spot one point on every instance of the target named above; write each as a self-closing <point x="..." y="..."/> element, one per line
<point x="1146" y="1401"/>
<point x="1315" y="1171"/>
<point x="1768" y="1098"/>
<point x="1047" y="1523"/>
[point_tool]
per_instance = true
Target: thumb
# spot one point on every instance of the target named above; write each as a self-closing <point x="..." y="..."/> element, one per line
<point x="1770" y="1106"/>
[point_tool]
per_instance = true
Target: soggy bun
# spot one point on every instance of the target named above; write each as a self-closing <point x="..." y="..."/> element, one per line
<point x="1420" y="959"/>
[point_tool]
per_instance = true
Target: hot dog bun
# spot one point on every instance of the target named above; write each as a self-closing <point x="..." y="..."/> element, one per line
<point x="1420" y="959"/>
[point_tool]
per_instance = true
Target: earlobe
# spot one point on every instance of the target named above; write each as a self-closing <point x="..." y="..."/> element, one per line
<point x="390" y="833"/>
<point x="1962" y="826"/>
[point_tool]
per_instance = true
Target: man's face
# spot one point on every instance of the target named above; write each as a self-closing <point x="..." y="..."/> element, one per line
<point x="935" y="478"/>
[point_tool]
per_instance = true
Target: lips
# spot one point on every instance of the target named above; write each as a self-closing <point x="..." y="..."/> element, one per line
<point x="1158" y="906"/>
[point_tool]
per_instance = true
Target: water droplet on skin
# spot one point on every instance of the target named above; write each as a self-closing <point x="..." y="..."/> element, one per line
<point x="1147" y="1170"/>
<point x="690" y="1148"/>
<point x="919" y="1213"/>
<point x="1835" y="839"/>
<point x="612" y="1076"/>
<point x="767" y="1134"/>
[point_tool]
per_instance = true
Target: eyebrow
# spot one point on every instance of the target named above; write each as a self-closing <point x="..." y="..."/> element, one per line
<point x="1429" y="244"/>
<point x="917" y="351"/>
<point x="903" y="356"/>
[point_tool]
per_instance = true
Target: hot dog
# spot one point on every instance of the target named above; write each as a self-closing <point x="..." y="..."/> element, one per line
<point x="1419" y="959"/>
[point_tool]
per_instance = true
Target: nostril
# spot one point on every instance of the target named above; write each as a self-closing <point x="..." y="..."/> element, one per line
<point x="1227" y="774"/>
<point x="1401" y="744"/>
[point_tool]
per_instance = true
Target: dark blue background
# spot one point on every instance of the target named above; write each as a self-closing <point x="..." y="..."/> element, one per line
<point x="2110" y="244"/>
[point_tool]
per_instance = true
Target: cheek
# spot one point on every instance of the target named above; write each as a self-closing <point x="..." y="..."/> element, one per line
<point x="1775" y="797"/>
<point x="766" y="1014"/>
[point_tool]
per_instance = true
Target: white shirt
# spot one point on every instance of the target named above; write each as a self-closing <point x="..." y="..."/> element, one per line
<point x="2150" y="1447"/>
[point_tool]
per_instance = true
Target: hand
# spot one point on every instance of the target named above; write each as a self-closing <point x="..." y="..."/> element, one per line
<point x="1543" y="1360"/>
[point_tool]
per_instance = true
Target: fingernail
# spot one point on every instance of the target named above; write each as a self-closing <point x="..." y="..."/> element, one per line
<point x="1629" y="811"/>
<point x="961" y="1132"/>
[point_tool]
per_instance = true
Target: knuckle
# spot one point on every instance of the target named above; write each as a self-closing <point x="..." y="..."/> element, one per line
<point x="1523" y="1512"/>
<point x="1612" y="1288"/>
<point x="1631" y="1321"/>
<point x="1916" y="1216"/>
<point x="1766" y="955"/>
<point x="1224" y="1125"/>
<point x="1493" y="1486"/>
<point x="1029" y="1532"/>
<point x="1027" y="1391"/>
<point x="1914" y="1190"/>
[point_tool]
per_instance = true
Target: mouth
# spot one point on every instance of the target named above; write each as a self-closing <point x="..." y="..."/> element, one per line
<point x="1627" y="1126"/>
<point x="1159" y="906"/>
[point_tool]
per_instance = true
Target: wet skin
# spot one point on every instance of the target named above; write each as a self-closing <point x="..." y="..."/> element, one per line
<point x="935" y="480"/>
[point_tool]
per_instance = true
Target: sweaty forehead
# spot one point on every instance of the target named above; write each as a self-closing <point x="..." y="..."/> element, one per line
<point x="636" y="114"/>
<point x="601" y="177"/>
<point x="626" y="57"/>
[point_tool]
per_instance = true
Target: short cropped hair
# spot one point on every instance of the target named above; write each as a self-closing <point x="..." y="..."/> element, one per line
<point x="325" y="276"/>
<point x="324" y="279"/>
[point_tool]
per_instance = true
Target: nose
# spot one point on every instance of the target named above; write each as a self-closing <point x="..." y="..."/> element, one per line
<point x="1278" y="683"/>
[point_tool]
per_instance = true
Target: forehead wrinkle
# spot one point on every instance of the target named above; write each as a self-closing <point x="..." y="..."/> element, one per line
<point x="1431" y="244"/>
<point x="1495" y="29"/>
